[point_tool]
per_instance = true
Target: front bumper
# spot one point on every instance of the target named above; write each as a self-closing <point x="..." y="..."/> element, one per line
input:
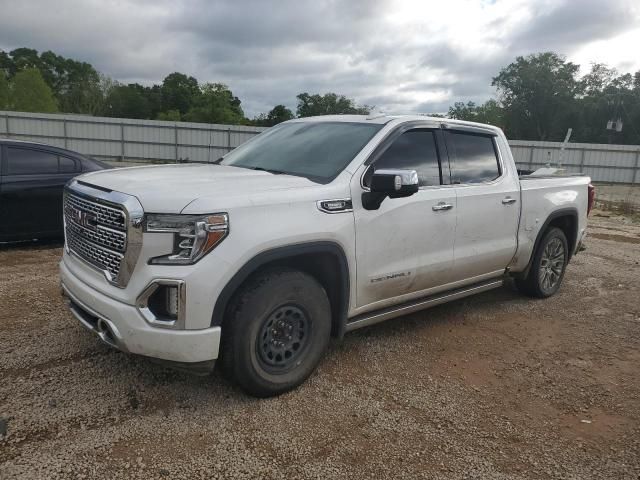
<point x="122" y="326"/>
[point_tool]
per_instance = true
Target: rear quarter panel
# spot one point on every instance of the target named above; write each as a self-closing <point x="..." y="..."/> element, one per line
<point x="541" y="197"/>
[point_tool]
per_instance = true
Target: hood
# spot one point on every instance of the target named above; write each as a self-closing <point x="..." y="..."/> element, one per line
<point x="170" y="188"/>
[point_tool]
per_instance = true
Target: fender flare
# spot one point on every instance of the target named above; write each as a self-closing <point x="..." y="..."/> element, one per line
<point x="339" y="311"/>
<point x="563" y="212"/>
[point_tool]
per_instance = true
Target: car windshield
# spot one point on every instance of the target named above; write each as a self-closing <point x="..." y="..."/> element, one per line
<point x="316" y="150"/>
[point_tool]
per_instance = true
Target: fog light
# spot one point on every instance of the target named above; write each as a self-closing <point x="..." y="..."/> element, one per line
<point x="162" y="303"/>
<point x="172" y="301"/>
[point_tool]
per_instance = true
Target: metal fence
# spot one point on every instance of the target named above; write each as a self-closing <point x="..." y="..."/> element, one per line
<point x="119" y="139"/>
<point x="602" y="162"/>
<point x="116" y="139"/>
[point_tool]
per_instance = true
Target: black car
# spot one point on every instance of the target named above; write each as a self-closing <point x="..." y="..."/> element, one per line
<point x="32" y="177"/>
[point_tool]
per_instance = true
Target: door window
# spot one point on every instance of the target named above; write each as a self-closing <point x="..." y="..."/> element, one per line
<point x="68" y="165"/>
<point x="475" y="158"/>
<point x="23" y="161"/>
<point x="413" y="150"/>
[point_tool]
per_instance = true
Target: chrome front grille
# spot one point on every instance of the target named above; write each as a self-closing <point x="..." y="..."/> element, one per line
<point x="104" y="229"/>
<point x="106" y="237"/>
<point x="105" y="215"/>
<point x="96" y="256"/>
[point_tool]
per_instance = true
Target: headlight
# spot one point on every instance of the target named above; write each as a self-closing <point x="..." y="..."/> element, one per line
<point x="194" y="235"/>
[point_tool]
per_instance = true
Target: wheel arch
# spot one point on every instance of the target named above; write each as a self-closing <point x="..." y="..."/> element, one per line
<point x="566" y="219"/>
<point x="325" y="261"/>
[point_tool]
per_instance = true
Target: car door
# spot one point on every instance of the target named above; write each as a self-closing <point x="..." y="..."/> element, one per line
<point x="404" y="249"/>
<point x="488" y="196"/>
<point x="31" y="194"/>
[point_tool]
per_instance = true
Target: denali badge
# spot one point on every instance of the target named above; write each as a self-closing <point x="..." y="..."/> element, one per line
<point x="391" y="276"/>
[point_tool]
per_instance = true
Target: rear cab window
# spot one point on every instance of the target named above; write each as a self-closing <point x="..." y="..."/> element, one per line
<point x="473" y="156"/>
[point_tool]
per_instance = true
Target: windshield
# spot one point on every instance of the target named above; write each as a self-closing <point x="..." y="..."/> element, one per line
<point x="316" y="150"/>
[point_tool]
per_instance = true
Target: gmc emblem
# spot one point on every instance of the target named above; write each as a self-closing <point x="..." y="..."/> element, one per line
<point x="84" y="219"/>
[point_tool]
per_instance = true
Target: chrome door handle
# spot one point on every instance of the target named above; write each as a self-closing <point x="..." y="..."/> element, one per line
<point x="442" y="206"/>
<point x="508" y="201"/>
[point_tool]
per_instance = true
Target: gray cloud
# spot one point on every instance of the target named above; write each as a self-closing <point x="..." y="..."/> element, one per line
<point x="572" y="24"/>
<point x="381" y="52"/>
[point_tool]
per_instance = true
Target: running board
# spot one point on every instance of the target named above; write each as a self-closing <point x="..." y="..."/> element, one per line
<point x="378" y="316"/>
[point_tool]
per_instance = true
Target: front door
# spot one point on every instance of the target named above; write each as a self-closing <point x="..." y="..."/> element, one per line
<point x="404" y="249"/>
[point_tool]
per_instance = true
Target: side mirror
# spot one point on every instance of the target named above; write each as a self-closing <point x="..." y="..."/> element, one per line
<point x="389" y="183"/>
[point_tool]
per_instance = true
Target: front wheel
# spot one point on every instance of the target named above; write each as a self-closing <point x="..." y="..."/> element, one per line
<point x="549" y="264"/>
<point x="276" y="331"/>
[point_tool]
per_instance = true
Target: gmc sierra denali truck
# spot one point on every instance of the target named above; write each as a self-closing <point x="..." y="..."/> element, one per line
<point x="314" y="228"/>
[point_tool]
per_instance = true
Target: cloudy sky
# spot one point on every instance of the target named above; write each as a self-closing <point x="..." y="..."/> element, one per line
<point x="400" y="55"/>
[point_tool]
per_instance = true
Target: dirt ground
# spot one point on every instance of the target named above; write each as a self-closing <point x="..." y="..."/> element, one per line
<point x="495" y="386"/>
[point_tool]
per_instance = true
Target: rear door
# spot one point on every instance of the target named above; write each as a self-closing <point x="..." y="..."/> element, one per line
<point x="31" y="191"/>
<point x="488" y="197"/>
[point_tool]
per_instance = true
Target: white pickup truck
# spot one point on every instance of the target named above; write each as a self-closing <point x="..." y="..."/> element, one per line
<point x="314" y="228"/>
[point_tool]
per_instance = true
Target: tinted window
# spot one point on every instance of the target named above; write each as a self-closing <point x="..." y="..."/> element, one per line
<point x="475" y="157"/>
<point x="414" y="150"/>
<point x="317" y="150"/>
<point x="89" y="164"/>
<point x="21" y="161"/>
<point x="68" y="165"/>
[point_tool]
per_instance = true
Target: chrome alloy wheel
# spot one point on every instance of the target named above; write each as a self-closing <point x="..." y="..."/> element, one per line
<point x="551" y="264"/>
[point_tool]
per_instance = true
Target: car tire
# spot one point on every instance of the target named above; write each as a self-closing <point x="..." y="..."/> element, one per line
<point x="276" y="331"/>
<point x="548" y="266"/>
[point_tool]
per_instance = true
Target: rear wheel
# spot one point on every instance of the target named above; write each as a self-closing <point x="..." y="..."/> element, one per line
<point x="548" y="267"/>
<point x="276" y="331"/>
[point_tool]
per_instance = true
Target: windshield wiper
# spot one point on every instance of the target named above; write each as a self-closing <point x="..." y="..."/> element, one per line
<point x="270" y="170"/>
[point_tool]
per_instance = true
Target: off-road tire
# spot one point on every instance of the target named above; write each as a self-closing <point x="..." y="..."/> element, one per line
<point x="272" y="311"/>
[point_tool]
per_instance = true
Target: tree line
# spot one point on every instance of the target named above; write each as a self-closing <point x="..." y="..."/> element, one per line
<point x="49" y="83"/>
<point x="538" y="97"/>
<point x="541" y="96"/>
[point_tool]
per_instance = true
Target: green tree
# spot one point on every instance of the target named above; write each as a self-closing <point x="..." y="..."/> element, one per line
<point x="169" y="115"/>
<point x="6" y="63"/>
<point x="4" y="91"/>
<point x="607" y="95"/>
<point x="489" y="112"/>
<point x="538" y="94"/>
<point x="127" y="101"/>
<point x="30" y="93"/>
<point x="22" y="59"/>
<point x="179" y="92"/>
<point x="597" y="79"/>
<point x="278" y="114"/>
<point x="328" y="104"/>
<point x="75" y="84"/>
<point x="216" y="104"/>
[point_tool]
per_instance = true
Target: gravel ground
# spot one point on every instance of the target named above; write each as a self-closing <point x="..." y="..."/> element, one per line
<point x="495" y="386"/>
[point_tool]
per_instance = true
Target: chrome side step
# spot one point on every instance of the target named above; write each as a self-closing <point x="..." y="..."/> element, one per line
<point x="378" y="316"/>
